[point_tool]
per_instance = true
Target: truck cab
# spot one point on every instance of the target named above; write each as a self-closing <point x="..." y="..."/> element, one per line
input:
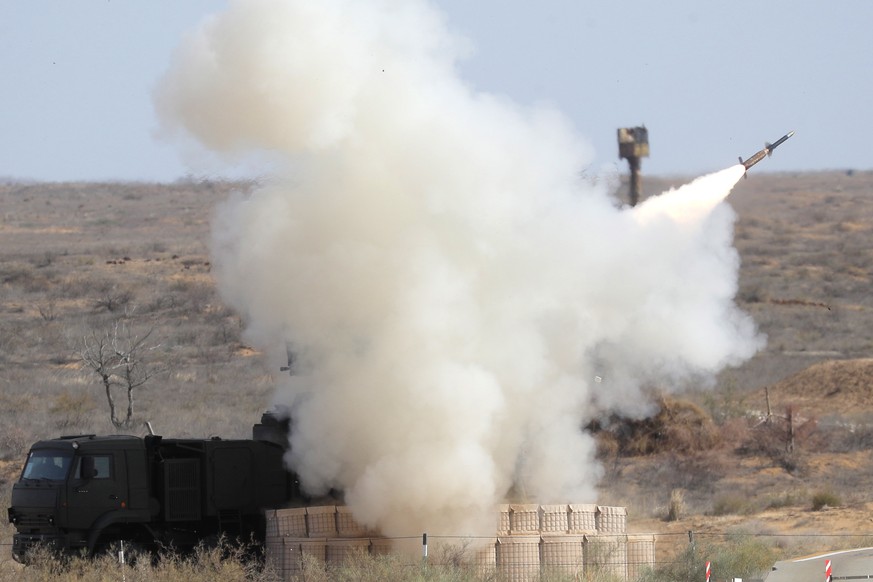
<point x="74" y="488"/>
<point x="85" y="492"/>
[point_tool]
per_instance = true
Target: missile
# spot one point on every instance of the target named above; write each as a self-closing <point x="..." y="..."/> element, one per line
<point x="767" y="151"/>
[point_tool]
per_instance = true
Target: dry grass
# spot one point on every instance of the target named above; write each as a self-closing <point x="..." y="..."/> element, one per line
<point x="79" y="257"/>
<point x="223" y="563"/>
<point x="230" y="564"/>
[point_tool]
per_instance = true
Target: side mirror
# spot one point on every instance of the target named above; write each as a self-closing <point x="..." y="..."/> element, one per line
<point x="88" y="471"/>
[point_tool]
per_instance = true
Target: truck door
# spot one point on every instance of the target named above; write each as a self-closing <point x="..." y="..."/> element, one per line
<point x="104" y="490"/>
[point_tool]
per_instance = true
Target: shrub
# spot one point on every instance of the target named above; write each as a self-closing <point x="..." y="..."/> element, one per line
<point x="13" y="444"/>
<point x="783" y="444"/>
<point x="72" y="410"/>
<point x="842" y="439"/>
<point x="113" y="299"/>
<point x="825" y="499"/>
<point x="677" y="505"/>
<point x="679" y="426"/>
<point x="194" y="296"/>
<point x="737" y="557"/>
<point x="784" y="500"/>
<point x="17" y="274"/>
<point x="47" y="310"/>
<point x="731" y="504"/>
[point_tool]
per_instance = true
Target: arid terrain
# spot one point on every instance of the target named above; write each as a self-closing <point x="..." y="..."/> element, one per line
<point x="756" y="452"/>
<point x="804" y="245"/>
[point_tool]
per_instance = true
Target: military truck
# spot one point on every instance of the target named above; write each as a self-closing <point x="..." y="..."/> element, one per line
<point x="85" y="492"/>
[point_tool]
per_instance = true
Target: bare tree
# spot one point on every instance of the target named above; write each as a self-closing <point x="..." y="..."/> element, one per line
<point x="120" y="359"/>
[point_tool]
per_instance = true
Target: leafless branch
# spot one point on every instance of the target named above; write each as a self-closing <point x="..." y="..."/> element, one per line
<point x="117" y="356"/>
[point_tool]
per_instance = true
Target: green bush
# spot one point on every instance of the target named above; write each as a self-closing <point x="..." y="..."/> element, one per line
<point x="781" y="501"/>
<point x="738" y="556"/>
<point x="824" y="499"/>
<point x="732" y="505"/>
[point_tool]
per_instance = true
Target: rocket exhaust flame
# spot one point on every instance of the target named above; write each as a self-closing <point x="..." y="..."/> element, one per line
<point x="449" y="285"/>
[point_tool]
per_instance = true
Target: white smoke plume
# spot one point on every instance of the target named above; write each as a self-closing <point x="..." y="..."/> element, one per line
<point x="451" y="288"/>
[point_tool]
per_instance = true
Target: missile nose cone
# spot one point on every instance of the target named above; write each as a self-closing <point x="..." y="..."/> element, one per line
<point x="790" y="133"/>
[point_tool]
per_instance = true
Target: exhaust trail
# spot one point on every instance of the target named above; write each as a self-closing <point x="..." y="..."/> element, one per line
<point x="448" y="284"/>
<point x="691" y="203"/>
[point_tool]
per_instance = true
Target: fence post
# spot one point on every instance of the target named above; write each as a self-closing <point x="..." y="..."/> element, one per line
<point x="424" y="547"/>
<point x="121" y="561"/>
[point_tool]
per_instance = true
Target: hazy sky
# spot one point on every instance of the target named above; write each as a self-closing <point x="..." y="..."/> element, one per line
<point x="711" y="80"/>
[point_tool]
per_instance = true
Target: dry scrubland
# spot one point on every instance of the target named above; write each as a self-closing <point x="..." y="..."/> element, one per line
<point x="76" y="258"/>
<point x="717" y="460"/>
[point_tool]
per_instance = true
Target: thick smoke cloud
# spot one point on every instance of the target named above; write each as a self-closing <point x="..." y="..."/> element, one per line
<point x="460" y="303"/>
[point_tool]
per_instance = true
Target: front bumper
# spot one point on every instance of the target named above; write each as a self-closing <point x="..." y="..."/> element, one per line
<point x="22" y="544"/>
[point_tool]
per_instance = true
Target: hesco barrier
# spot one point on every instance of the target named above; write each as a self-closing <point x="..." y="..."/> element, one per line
<point x="582" y="518"/>
<point x="611" y="520"/>
<point x="563" y="554"/>
<point x="573" y="539"/>
<point x="640" y="554"/>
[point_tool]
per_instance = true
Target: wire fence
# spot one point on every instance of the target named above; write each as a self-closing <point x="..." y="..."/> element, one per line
<point x="680" y="538"/>
<point x="592" y="557"/>
<point x="519" y="558"/>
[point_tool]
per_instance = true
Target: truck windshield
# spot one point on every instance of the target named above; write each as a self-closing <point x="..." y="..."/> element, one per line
<point x="47" y="464"/>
